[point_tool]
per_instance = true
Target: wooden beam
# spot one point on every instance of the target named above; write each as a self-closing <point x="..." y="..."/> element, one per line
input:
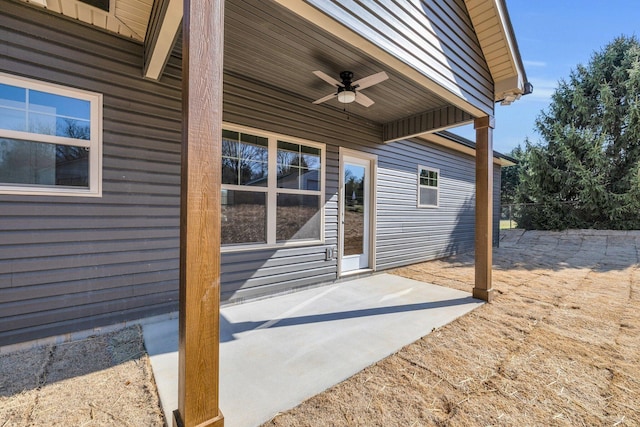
<point x="162" y="30"/>
<point x="483" y="288"/>
<point x="199" y="319"/>
<point x="429" y="121"/>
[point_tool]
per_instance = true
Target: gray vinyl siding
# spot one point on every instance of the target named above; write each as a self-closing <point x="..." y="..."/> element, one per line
<point x="407" y="234"/>
<point x="497" y="176"/>
<point x="435" y="38"/>
<point x="74" y="263"/>
<point x="282" y="269"/>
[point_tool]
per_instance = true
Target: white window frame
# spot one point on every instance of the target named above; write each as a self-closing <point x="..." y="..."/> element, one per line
<point x="437" y="187"/>
<point x="272" y="190"/>
<point x="94" y="144"/>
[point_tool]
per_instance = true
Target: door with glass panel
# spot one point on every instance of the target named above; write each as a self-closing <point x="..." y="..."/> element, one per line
<point x="355" y="215"/>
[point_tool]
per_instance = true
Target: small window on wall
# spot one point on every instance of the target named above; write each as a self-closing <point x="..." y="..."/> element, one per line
<point x="50" y="139"/>
<point x="271" y="189"/>
<point x="428" y="185"/>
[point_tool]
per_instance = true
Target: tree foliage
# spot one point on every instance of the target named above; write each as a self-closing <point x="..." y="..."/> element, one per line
<point x="586" y="173"/>
<point x="510" y="177"/>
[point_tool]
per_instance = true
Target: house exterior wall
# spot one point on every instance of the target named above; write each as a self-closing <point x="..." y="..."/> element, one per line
<point x="408" y="234"/>
<point x="74" y="263"/>
<point x="497" y="176"/>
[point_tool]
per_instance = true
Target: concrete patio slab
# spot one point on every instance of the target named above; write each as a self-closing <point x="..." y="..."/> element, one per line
<point x="277" y="352"/>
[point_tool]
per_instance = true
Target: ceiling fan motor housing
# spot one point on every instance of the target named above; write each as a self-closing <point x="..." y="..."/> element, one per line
<point x="346" y="77"/>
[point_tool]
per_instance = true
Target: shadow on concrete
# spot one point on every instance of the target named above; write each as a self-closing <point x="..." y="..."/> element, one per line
<point x="229" y="329"/>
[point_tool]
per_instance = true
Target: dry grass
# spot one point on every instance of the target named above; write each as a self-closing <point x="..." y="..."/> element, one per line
<point x="560" y="346"/>
<point x="104" y="380"/>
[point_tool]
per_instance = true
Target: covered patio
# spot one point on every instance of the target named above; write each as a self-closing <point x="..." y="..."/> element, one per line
<point x="278" y="352"/>
<point x="435" y="86"/>
<point x="249" y="63"/>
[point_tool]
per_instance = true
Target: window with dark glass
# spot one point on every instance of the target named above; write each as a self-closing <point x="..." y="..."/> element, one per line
<point x="270" y="199"/>
<point x="49" y="138"/>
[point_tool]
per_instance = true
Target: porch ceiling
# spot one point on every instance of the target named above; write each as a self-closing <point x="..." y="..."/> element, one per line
<point x="266" y="43"/>
<point x="269" y="44"/>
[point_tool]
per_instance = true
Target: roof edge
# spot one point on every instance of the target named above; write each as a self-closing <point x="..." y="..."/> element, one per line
<point x="464" y="145"/>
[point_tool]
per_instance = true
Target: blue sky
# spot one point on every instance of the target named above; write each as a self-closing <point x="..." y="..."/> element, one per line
<point x="554" y="36"/>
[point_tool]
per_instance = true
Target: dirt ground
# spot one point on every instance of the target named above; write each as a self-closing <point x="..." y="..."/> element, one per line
<point x="103" y="380"/>
<point x="559" y="346"/>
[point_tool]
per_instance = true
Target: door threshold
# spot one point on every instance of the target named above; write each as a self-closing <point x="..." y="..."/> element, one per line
<point x="362" y="271"/>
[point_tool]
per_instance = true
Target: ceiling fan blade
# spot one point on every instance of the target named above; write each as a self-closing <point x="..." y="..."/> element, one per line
<point x="324" y="98"/>
<point x="327" y="78"/>
<point x="363" y="99"/>
<point x="371" y="80"/>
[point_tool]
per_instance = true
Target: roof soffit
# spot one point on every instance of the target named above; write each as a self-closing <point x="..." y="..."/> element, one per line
<point x="491" y="22"/>
<point x="259" y="51"/>
<point x="128" y="18"/>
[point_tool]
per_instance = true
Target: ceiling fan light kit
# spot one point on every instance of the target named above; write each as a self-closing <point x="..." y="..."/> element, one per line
<point x="346" y="96"/>
<point x="347" y="90"/>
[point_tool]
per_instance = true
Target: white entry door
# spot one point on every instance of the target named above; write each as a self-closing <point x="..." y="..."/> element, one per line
<point x="355" y="212"/>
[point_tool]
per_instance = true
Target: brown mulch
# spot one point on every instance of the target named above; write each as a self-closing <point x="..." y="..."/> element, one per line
<point x="559" y="346"/>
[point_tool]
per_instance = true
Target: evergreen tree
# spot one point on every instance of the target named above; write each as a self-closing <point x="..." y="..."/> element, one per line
<point x="586" y="174"/>
<point x="510" y="177"/>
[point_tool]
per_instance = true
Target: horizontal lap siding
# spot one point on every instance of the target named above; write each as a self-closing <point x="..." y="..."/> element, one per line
<point x="435" y="37"/>
<point x="407" y="234"/>
<point x="73" y="263"/>
<point x="250" y="274"/>
<point x="497" y="176"/>
<point x="70" y="263"/>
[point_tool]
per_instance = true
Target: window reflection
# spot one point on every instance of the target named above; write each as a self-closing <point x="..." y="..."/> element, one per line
<point x="37" y="163"/>
<point x="428" y="187"/>
<point x="290" y="201"/>
<point x="298" y="217"/>
<point x="354" y="207"/>
<point x="27" y="110"/>
<point x="244" y="159"/>
<point x="298" y="166"/>
<point x="244" y="217"/>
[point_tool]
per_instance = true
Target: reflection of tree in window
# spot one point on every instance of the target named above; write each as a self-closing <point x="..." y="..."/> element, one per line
<point x="428" y="187"/>
<point x="298" y="166"/>
<point x="72" y="129"/>
<point x="354" y="188"/>
<point x="244" y="159"/>
<point x="38" y="163"/>
<point x="353" y="220"/>
<point x="296" y="212"/>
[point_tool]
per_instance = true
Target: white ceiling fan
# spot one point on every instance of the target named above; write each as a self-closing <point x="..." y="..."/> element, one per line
<point x="348" y="91"/>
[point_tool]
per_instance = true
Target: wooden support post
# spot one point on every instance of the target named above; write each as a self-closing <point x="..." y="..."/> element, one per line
<point x="199" y="321"/>
<point x="484" y="207"/>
